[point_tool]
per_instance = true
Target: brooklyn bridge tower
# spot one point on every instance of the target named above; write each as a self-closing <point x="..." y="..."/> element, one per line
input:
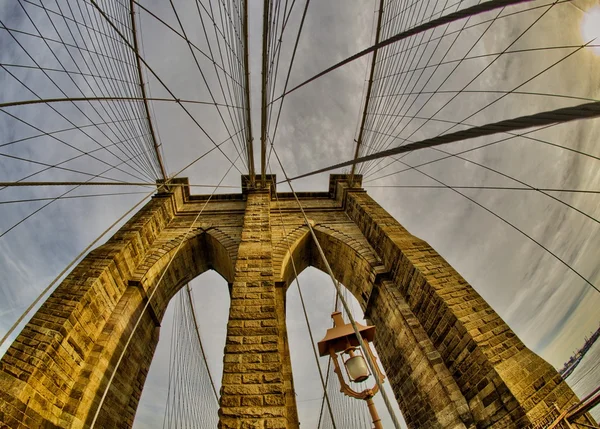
<point x="451" y="361"/>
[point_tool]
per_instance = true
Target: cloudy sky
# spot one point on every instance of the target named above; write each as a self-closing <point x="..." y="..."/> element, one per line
<point x="549" y="305"/>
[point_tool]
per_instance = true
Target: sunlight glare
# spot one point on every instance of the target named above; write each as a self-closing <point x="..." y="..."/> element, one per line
<point x="590" y="27"/>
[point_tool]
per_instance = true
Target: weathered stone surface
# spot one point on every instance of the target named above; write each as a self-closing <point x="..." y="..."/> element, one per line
<point x="451" y="361"/>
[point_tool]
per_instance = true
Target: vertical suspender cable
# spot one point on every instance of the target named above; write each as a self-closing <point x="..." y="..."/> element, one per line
<point x="368" y="95"/>
<point x="265" y="77"/>
<point x="197" y="329"/>
<point x="249" y="147"/>
<point x="143" y="89"/>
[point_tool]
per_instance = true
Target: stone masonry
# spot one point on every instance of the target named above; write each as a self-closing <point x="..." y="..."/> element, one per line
<point x="451" y="360"/>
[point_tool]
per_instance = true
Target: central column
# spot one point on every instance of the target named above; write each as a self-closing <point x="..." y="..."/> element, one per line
<point x="257" y="389"/>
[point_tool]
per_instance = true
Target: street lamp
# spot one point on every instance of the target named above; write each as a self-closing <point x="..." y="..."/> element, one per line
<point x="341" y="338"/>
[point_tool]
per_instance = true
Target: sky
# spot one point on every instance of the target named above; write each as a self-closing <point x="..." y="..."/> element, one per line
<point x="549" y="306"/>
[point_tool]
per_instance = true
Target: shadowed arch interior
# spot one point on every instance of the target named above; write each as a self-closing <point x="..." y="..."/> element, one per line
<point x="200" y="252"/>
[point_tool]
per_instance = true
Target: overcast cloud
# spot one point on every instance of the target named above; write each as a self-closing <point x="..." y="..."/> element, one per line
<point x="549" y="306"/>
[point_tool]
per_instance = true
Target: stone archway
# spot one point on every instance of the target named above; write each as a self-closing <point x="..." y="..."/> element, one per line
<point x="167" y="268"/>
<point x="434" y="400"/>
<point x="56" y="371"/>
<point x="451" y="361"/>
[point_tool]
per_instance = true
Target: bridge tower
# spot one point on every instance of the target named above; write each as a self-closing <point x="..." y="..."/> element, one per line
<point x="451" y="360"/>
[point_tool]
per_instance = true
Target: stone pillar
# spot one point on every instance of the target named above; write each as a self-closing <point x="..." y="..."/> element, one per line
<point x="257" y="389"/>
<point x="53" y="373"/>
<point x="427" y="394"/>
<point x="504" y="383"/>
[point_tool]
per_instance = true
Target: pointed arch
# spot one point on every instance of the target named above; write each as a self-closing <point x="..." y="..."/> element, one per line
<point x="353" y="261"/>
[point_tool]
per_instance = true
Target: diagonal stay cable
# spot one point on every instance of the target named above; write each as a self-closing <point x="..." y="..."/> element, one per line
<point x="59" y="87"/>
<point x="133" y="138"/>
<point x="202" y="74"/>
<point x="439" y="85"/>
<point x="119" y="49"/>
<point x="521" y="182"/>
<point x="488" y="66"/>
<point x="233" y="60"/>
<point x="164" y="23"/>
<point x="557" y="116"/>
<point x="562" y="261"/>
<point x="529" y="187"/>
<point x="390" y="128"/>
<point x="73" y="124"/>
<point x="55" y="166"/>
<point x="403" y="61"/>
<point x="116" y="183"/>
<point x="487" y="55"/>
<point x="392" y="103"/>
<point x="66" y="71"/>
<point x="61" y="163"/>
<point x="446" y="19"/>
<point x="12" y="227"/>
<point x="107" y="18"/>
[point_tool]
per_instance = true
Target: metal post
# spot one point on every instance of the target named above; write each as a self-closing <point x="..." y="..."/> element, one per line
<point x="376" y="420"/>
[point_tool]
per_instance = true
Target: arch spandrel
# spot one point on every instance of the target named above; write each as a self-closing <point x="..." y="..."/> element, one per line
<point x="426" y="333"/>
<point x="174" y="264"/>
<point x="353" y="261"/>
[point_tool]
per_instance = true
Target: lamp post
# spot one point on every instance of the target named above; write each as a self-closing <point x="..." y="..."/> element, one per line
<point x="342" y="339"/>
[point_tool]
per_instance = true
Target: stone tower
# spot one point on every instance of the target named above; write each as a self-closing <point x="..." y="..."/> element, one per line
<point x="451" y="360"/>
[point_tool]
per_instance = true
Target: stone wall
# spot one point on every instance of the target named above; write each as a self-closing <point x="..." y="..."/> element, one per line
<point x="450" y="359"/>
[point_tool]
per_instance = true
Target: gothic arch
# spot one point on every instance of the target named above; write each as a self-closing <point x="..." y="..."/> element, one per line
<point x="451" y="361"/>
<point x="59" y="366"/>
<point x="201" y="251"/>
<point x="406" y="352"/>
<point x="173" y="265"/>
<point x="352" y="259"/>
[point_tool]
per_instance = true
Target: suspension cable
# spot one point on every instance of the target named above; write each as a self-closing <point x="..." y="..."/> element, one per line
<point x="197" y="330"/>
<point x="557" y="116"/>
<point x="446" y="19"/>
